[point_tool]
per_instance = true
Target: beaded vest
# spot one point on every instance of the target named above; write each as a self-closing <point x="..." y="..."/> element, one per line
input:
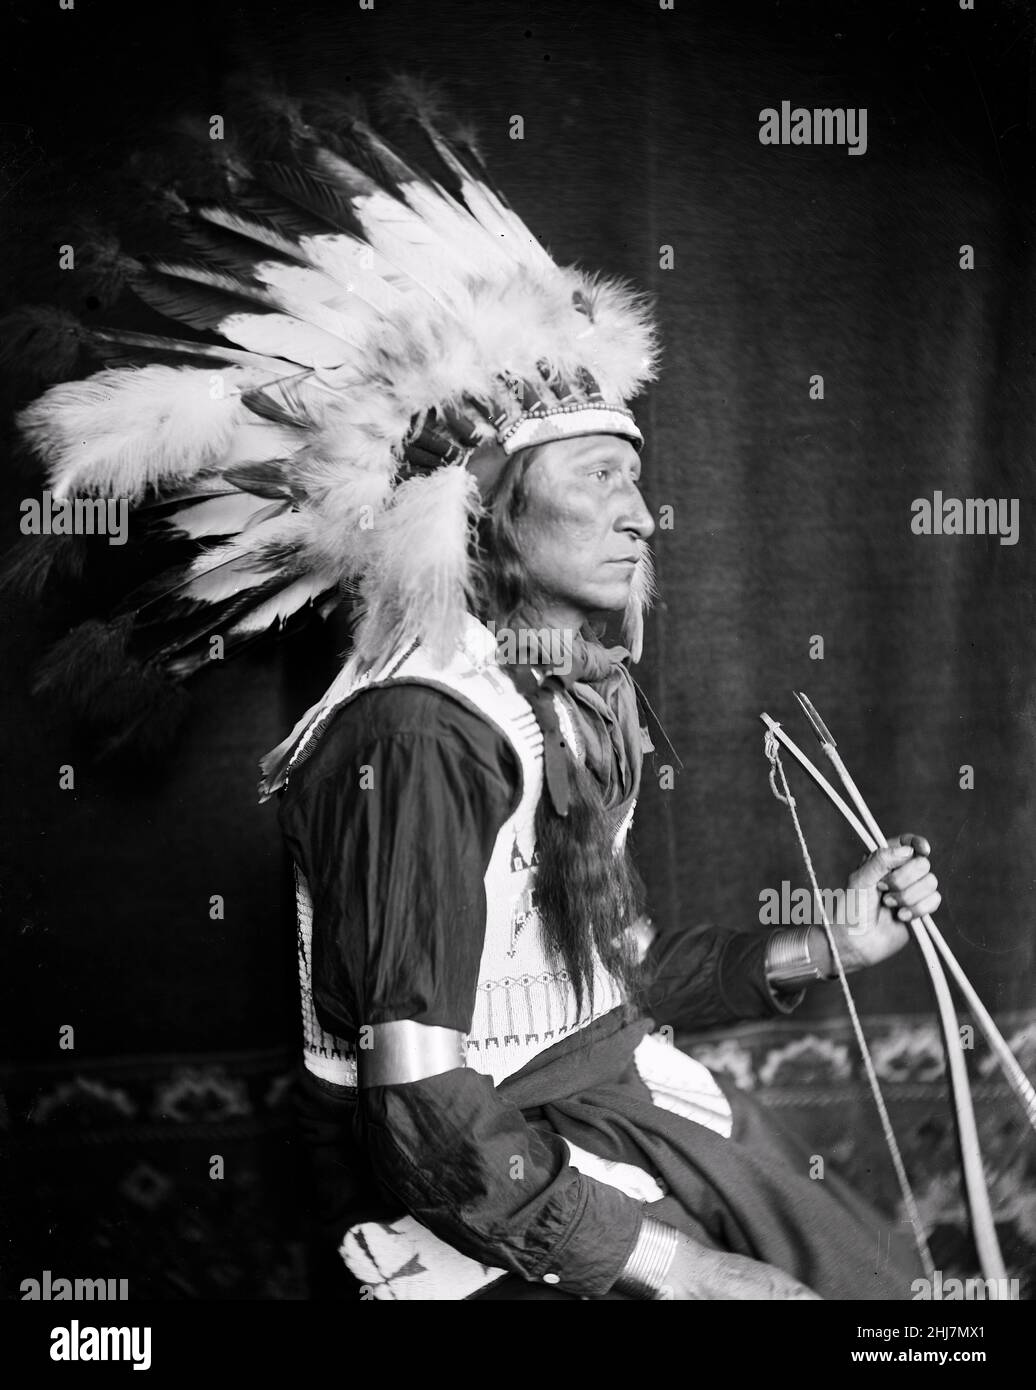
<point x="524" y="1002"/>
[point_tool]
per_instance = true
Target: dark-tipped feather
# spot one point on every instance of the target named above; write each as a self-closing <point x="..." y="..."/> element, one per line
<point x="191" y="651"/>
<point x="247" y="232"/>
<point x="212" y="619"/>
<point x="279" y="403"/>
<point x="374" y="156"/>
<point x="267" y="479"/>
<point x="281" y="215"/>
<point x="197" y="272"/>
<point x="199" y="306"/>
<point x="311" y="191"/>
<point x="166" y="587"/>
<point x="118" y="347"/>
<point x="230" y="252"/>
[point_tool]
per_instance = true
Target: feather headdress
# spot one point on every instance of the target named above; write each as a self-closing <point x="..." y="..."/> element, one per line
<point x="383" y="339"/>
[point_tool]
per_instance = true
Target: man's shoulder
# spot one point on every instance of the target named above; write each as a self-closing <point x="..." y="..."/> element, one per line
<point x="395" y="712"/>
<point x="402" y="707"/>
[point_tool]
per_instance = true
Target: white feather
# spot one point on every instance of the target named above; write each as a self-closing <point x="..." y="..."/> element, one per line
<point x="217" y="516"/>
<point x="240" y="563"/>
<point x="315" y="297"/>
<point x="225" y="578"/>
<point x="283" y="604"/>
<point x="258" y="441"/>
<point x="351" y="262"/>
<point x="281" y="335"/>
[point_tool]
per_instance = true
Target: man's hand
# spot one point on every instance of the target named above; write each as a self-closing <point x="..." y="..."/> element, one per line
<point x="891" y="886"/>
<point x="703" y="1275"/>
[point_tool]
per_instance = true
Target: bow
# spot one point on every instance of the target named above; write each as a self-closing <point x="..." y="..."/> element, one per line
<point x="932" y="945"/>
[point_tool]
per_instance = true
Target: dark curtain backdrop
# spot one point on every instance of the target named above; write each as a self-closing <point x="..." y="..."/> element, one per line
<point x="791" y="519"/>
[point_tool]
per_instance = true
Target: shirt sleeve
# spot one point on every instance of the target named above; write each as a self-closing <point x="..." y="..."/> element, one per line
<point x="703" y="976"/>
<point x="394" y="821"/>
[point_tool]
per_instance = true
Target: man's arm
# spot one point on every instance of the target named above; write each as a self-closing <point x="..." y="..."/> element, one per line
<point x="703" y="976"/>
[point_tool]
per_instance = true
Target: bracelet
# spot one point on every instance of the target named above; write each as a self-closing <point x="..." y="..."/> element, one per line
<point x="789" y="964"/>
<point x="644" y="1272"/>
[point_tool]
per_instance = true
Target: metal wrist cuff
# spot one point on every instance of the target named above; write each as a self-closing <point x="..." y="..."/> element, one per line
<point x="643" y="1274"/>
<point x="789" y="964"/>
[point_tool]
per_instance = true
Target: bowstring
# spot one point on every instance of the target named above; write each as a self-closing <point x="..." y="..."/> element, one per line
<point x="772" y="748"/>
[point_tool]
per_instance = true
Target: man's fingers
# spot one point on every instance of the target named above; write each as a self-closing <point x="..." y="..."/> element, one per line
<point x="913" y="871"/>
<point x="896" y="865"/>
<point x="914" y="893"/>
<point x="924" y="908"/>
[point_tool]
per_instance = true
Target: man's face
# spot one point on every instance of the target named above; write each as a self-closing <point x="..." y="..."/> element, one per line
<point x="583" y="526"/>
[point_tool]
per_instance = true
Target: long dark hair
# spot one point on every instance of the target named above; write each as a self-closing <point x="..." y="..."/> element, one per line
<point x="586" y="894"/>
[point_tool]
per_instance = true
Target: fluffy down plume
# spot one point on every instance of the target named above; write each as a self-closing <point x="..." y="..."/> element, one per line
<point x="419" y="583"/>
<point x="125" y="431"/>
<point x="37" y="560"/>
<point x="641" y="596"/>
<point x="622" y="350"/>
<point x="100" y="683"/>
<point x="348" y="507"/>
<point x="99" y="261"/>
<point x="40" y="343"/>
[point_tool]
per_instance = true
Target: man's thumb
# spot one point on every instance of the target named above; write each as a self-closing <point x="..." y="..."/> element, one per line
<point x="881" y="862"/>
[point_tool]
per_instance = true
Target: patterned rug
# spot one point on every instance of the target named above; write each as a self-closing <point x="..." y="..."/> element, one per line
<point x="184" y="1175"/>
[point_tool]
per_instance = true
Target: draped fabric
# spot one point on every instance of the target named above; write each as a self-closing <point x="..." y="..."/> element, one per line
<point x="750" y="1194"/>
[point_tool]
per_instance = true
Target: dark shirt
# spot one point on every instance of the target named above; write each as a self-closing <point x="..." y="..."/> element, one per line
<point x="393" y="818"/>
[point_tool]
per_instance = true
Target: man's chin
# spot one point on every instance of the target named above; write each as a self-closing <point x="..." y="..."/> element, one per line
<point x="607" y="601"/>
<point x="615" y="598"/>
<point x="609" y="606"/>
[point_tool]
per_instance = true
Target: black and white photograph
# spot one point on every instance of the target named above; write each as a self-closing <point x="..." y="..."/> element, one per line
<point x="518" y="677"/>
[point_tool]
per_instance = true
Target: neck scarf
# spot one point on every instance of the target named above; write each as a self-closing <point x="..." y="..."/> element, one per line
<point x="603" y="700"/>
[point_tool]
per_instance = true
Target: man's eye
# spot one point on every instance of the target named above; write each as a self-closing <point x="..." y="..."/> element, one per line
<point x="602" y="472"/>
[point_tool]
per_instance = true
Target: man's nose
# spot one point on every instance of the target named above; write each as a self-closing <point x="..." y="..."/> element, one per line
<point x="635" y="516"/>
